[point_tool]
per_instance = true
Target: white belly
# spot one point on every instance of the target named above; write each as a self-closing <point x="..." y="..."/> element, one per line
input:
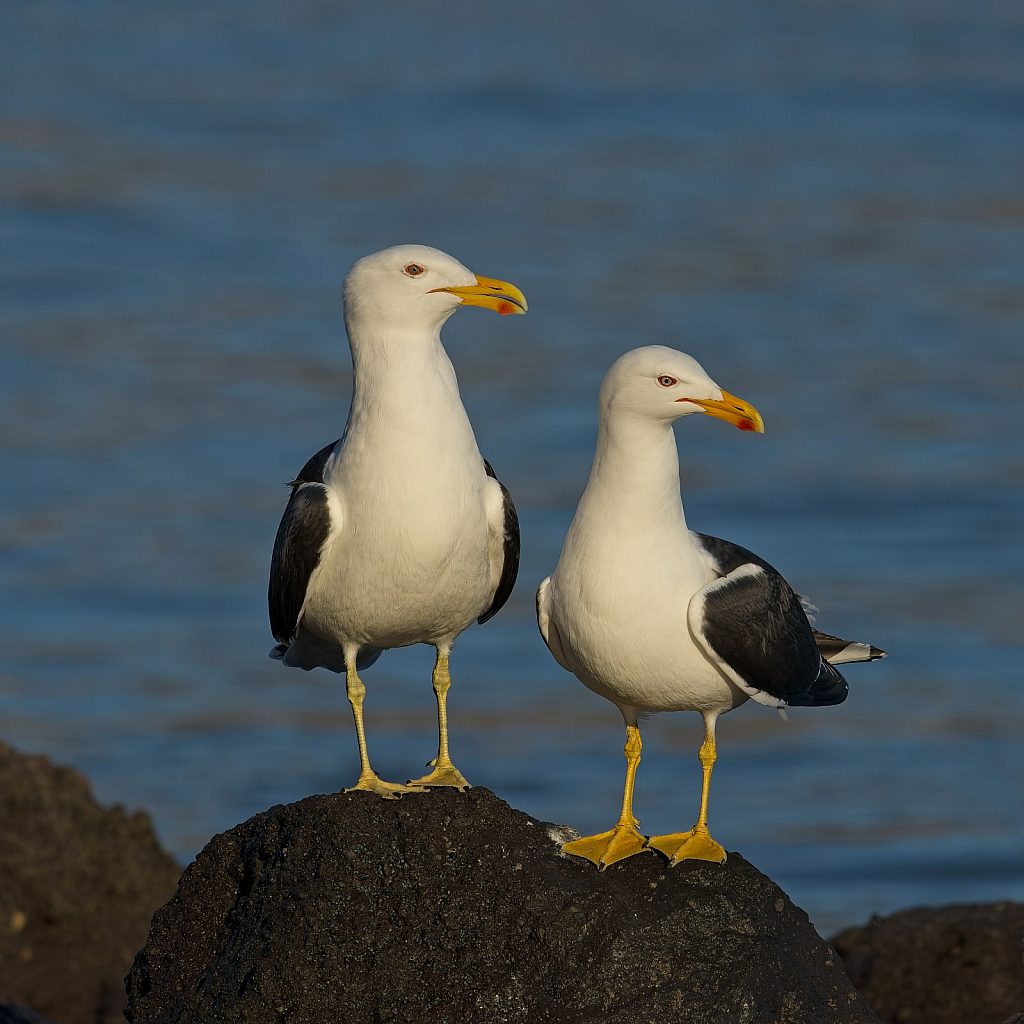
<point x="410" y="565"/>
<point x="625" y="635"/>
<point x="399" y="603"/>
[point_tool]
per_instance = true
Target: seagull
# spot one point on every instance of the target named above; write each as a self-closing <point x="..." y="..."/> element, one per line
<point x="399" y="532"/>
<point x="655" y="617"/>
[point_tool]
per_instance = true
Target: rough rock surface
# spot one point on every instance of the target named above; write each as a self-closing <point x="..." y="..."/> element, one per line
<point x="78" y="886"/>
<point x="445" y="907"/>
<point x="942" y="965"/>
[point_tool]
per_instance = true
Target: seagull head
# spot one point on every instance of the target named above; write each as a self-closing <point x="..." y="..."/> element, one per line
<point x="415" y="288"/>
<point x="662" y="384"/>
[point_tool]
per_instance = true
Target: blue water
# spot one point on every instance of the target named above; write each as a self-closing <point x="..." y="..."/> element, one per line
<point x="822" y="203"/>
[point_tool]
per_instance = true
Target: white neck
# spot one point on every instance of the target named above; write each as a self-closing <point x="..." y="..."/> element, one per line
<point x="635" y="476"/>
<point x="404" y="381"/>
<point x="406" y="419"/>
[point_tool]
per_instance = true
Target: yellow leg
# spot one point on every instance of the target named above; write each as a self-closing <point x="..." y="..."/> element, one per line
<point x="444" y="773"/>
<point x="696" y="844"/>
<point x="624" y="840"/>
<point x="367" y="776"/>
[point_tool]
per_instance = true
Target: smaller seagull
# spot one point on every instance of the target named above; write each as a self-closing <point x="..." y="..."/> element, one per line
<point x="398" y="533"/>
<point x="655" y="617"/>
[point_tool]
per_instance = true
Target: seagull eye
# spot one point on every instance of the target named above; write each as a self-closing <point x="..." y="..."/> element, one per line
<point x="666" y="381"/>
<point x="413" y="269"/>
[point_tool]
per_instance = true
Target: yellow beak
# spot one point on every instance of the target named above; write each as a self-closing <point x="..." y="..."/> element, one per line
<point x="500" y="296"/>
<point x="733" y="410"/>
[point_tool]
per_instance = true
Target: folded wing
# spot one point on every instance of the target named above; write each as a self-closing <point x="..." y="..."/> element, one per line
<point x="503" y="529"/>
<point x="753" y="624"/>
<point x="310" y="524"/>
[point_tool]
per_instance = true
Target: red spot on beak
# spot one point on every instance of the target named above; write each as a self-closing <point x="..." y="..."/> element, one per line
<point x="745" y="425"/>
<point x="504" y="308"/>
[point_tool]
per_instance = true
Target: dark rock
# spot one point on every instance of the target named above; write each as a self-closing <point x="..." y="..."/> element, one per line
<point x="78" y="886"/>
<point x="942" y="965"/>
<point x="20" y="1015"/>
<point x="447" y="907"/>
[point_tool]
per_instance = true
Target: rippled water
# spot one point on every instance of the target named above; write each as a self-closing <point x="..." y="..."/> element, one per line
<point x="821" y="202"/>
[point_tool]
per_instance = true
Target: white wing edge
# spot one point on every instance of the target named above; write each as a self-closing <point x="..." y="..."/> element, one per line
<point x="548" y="630"/>
<point x="695" y="619"/>
<point x="852" y="652"/>
<point x="337" y="518"/>
<point x="494" y="510"/>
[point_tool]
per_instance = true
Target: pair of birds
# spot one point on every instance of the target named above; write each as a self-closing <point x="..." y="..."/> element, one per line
<point x="400" y="533"/>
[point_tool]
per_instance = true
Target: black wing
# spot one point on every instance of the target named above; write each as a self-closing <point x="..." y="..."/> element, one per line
<point x="753" y="623"/>
<point x="305" y="526"/>
<point x="313" y="471"/>
<point x="510" y="565"/>
<point x="728" y="556"/>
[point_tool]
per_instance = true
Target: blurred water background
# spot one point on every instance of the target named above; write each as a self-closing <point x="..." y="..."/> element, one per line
<point x="821" y="201"/>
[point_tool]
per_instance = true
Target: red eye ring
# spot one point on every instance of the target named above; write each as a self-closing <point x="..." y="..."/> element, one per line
<point x="666" y="381"/>
<point x="413" y="269"/>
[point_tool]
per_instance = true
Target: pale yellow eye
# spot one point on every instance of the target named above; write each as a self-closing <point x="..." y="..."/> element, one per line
<point x="666" y="381"/>
<point x="413" y="269"/>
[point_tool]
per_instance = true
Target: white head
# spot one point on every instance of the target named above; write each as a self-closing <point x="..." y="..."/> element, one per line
<point x="661" y="384"/>
<point x="414" y="289"/>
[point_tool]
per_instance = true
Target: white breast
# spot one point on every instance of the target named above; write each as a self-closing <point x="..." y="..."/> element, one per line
<point x="411" y="564"/>
<point x="620" y="593"/>
<point x="620" y="609"/>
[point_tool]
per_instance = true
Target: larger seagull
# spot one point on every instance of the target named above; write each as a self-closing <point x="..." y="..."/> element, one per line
<point x="399" y="532"/>
<point x="655" y="617"/>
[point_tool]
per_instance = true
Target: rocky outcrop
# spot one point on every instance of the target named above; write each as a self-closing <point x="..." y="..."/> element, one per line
<point x="939" y="965"/>
<point x="78" y="886"/>
<point x="445" y="907"/>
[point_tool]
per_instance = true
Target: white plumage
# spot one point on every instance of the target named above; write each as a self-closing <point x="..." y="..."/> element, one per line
<point x="617" y="600"/>
<point x="398" y="533"/>
<point x="654" y="617"/>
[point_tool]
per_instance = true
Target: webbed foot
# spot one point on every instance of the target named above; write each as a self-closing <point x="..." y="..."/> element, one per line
<point x="621" y="842"/>
<point x="387" y="790"/>
<point x="446" y="775"/>
<point x="696" y="844"/>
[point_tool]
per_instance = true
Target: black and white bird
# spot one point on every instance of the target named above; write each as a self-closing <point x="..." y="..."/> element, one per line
<point x="655" y="617"/>
<point x="398" y="533"/>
